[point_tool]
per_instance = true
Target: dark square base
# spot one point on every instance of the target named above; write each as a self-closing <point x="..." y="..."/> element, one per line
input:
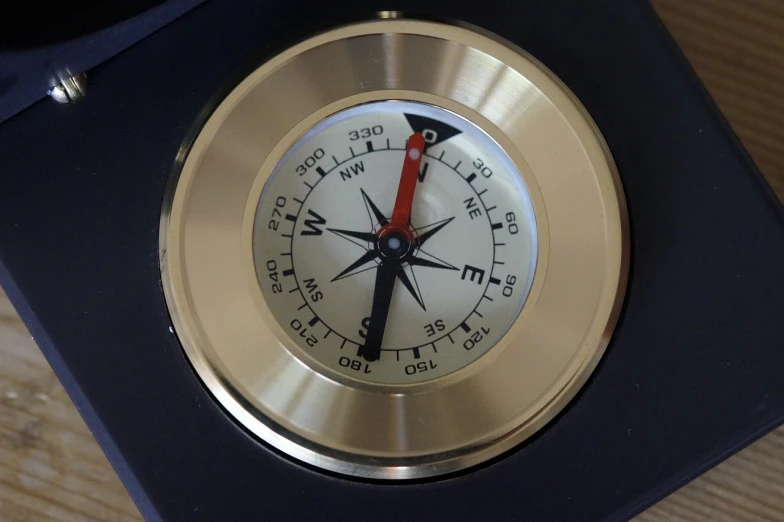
<point x="692" y="374"/>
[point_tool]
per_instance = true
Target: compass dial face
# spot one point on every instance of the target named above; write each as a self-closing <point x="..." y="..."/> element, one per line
<point x="459" y="272"/>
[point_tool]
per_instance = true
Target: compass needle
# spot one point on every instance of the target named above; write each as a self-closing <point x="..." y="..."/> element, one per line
<point x="395" y="241"/>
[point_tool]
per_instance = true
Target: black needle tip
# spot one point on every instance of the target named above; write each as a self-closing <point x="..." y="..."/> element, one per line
<point x="382" y="298"/>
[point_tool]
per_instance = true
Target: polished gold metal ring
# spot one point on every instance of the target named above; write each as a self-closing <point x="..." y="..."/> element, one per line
<point x="254" y="369"/>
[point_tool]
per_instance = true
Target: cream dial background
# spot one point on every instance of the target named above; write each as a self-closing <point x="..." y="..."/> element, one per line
<point x="480" y="256"/>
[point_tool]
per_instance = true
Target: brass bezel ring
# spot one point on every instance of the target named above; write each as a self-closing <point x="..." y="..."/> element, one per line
<point x="251" y="365"/>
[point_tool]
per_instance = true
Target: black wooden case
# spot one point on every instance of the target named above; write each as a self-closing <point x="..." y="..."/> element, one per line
<point x="693" y="372"/>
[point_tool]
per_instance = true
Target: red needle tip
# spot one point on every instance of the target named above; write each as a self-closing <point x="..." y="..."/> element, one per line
<point x="401" y="215"/>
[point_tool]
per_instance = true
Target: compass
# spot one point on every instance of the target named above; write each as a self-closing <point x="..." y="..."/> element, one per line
<point x="395" y="250"/>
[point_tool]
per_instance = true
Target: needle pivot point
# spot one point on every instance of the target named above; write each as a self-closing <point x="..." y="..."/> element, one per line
<point x="394" y="244"/>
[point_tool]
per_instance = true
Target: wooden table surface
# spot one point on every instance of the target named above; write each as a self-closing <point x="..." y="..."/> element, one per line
<point x="52" y="469"/>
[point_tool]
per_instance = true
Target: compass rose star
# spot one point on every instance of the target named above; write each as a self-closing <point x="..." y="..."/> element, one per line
<point x="371" y="257"/>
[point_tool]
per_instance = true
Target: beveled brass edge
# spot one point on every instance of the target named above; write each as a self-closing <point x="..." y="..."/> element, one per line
<point x="549" y="410"/>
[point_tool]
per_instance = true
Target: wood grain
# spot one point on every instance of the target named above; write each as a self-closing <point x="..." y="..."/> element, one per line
<point x="52" y="469"/>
